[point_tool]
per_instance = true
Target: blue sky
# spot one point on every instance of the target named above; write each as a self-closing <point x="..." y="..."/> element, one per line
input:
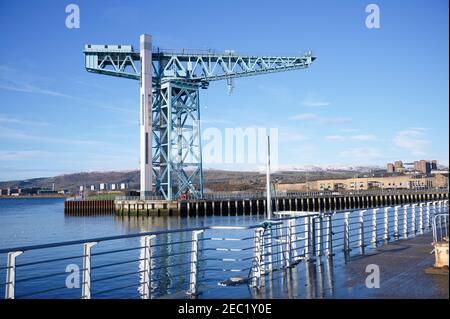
<point x="372" y="95"/>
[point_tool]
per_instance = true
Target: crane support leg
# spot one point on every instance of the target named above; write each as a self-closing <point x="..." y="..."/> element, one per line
<point x="177" y="158"/>
<point x="146" y="116"/>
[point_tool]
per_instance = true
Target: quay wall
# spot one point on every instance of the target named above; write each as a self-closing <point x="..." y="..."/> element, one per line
<point x="249" y="206"/>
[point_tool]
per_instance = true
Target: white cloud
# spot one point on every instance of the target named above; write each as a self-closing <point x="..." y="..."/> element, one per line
<point x="360" y="137"/>
<point x="413" y="140"/>
<point x="320" y="119"/>
<point x="364" y="137"/>
<point x="312" y="100"/>
<point x="12" y="120"/>
<point x="365" y="153"/>
<point x="21" y="155"/>
<point x="335" y="137"/>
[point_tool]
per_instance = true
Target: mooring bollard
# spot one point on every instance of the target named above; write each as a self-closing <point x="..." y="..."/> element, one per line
<point x="194" y="263"/>
<point x="11" y="274"/>
<point x="86" y="285"/>
<point x="146" y="285"/>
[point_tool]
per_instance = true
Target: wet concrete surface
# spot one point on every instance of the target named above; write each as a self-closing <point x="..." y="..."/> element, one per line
<point x="402" y="267"/>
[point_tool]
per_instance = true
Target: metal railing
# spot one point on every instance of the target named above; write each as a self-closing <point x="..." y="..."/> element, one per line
<point x="190" y="261"/>
<point x="440" y="227"/>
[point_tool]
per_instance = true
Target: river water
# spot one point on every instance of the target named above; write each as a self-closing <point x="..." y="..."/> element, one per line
<point x="25" y="222"/>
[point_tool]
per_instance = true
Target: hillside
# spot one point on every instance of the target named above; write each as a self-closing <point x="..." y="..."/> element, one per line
<point x="216" y="180"/>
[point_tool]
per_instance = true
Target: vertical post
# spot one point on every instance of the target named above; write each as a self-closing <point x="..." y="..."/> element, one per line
<point x="346" y="233"/>
<point x="194" y="263"/>
<point x="386" y="224"/>
<point x="428" y="216"/>
<point x="374" y="227"/>
<point x="396" y="234"/>
<point x="413" y="219"/>
<point x="319" y="235"/>
<point x="269" y="249"/>
<point x="307" y="242"/>
<point x="293" y="239"/>
<point x="146" y="115"/>
<point x="405" y="221"/>
<point x="287" y="252"/>
<point x="329" y="243"/>
<point x="11" y="274"/>
<point x="421" y="228"/>
<point x="361" y="231"/>
<point x="313" y="237"/>
<point x="146" y="284"/>
<point x="269" y="201"/>
<point x="86" y="284"/>
<point x="257" y="257"/>
<point x="280" y="245"/>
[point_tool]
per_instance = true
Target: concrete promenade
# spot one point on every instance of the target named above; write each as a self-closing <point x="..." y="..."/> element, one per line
<point x="402" y="272"/>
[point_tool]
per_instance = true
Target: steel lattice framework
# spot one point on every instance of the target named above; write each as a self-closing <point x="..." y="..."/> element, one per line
<point x="170" y="108"/>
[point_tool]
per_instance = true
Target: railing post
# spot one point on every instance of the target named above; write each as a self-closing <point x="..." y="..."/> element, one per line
<point x="421" y="227"/>
<point x="386" y="224"/>
<point x="293" y="239"/>
<point x="287" y="252"/>
<point x="146" y="285"/>
<point x="428" y="216"/>
<point x="269" y="249"/>
<point x="257" y="257"/>
<point x="346" y="234"/>
<point x="329" y="244"/>
<point x="86" y="286"/>
<point x="307" y="243"/>
<point x="374" y="227"/>
<point x="413" y="219"/>
<point x="405" y="221"/>
<point x="194" y="263"/>
<point x="319" y="236"/>
<point x="361" y="231"/>
<point x="313" y="237"/>
<point x="280" y="245"/>
<point x="11" y="274"/>
<point x="396" y="233"/>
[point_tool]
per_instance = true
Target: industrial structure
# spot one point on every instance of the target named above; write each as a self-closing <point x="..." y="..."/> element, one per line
<point x="170" y="151"/>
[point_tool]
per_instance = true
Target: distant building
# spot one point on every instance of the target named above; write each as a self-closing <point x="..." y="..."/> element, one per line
<point x="390" y="168"/>
<point x="399" y="166"/>
<point x="434" y="165"/>
<point x="366" y="183"/>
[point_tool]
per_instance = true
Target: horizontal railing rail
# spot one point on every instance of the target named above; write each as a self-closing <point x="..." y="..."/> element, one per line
<point x="187" y="262"/>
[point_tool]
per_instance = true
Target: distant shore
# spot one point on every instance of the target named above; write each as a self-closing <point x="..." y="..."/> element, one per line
<point x="36" y="196"/>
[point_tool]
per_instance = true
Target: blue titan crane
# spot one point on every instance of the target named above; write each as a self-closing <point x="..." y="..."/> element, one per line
<point x="170" y="152"/>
